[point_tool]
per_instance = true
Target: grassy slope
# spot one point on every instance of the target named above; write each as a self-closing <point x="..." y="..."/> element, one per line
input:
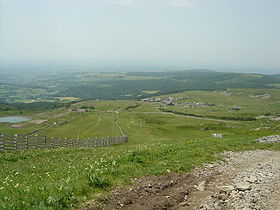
<point x="251" y="105"/>
<point x="157" y="142"/>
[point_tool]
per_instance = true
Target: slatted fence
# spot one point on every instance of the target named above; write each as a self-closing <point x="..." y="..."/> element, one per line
<point x="24" y="142"/>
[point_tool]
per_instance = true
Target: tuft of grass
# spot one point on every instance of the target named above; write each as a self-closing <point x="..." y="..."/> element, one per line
<point x="95" y="179"/>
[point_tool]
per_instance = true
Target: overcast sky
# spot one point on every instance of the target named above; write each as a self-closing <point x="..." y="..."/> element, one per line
<point x="229" y="34"/>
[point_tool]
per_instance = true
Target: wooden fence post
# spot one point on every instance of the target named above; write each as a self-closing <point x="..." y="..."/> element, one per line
<point x="2" y="142"/>
<point x="27" y="144"/>
<point x="52" y="146"/>
<point x="15" y="142"/>
<point x="36" y="140"/>
<point x="67" y="142"/>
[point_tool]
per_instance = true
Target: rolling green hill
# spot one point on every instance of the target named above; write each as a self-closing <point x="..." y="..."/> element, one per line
<point x="158" y="142"/>
<point x="131" y="85"/>
<point x="162" y="138"/>
<point x="276" y="76"/>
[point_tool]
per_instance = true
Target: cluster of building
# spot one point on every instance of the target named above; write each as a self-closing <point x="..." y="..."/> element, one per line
<point x="171" y="101"/>
<point x="166" y="101"/>
<point x="195" y="104"/>
<point x="235" y="108"/>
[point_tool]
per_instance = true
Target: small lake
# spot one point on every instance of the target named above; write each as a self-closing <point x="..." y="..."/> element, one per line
<point x="14" y="119"/>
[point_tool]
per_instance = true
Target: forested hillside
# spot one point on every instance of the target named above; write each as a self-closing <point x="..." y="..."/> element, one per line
<point x="72" y="86"/>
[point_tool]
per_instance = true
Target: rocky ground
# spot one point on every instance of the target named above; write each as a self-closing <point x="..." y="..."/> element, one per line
<point x="246" y="180"/>
<point x="269" y="139"/>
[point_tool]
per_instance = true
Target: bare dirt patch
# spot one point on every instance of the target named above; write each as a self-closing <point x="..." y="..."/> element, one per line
<point x="246" y="180"/>
<point x="37" y="122"/>
<point x="24" y="124"/>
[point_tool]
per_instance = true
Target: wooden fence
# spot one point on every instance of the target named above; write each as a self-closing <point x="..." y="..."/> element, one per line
<point x="24" y="142"/>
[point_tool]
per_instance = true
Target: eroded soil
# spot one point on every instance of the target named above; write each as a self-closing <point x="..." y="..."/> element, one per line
<point x="245" y="180"/>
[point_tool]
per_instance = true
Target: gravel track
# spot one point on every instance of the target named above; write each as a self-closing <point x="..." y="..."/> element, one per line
<point x="245" y="180"/>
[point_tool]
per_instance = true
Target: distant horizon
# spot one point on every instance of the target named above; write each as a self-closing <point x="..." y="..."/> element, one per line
<point x="99" y="67"/>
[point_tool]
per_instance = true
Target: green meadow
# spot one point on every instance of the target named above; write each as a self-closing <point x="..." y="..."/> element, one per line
<point x="159" y="142"/>
<point x="252" y="103"/>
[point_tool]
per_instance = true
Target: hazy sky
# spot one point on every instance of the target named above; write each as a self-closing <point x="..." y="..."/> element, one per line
<point x="230" y="34"/>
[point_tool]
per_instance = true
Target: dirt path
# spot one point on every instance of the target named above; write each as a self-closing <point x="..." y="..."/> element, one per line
<point x="117" y="123"/>
<point x="201" y="118"/>
<point x="97" y="123"/>
<point x="246" y="180"/>
<point x="187" y="116"/>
